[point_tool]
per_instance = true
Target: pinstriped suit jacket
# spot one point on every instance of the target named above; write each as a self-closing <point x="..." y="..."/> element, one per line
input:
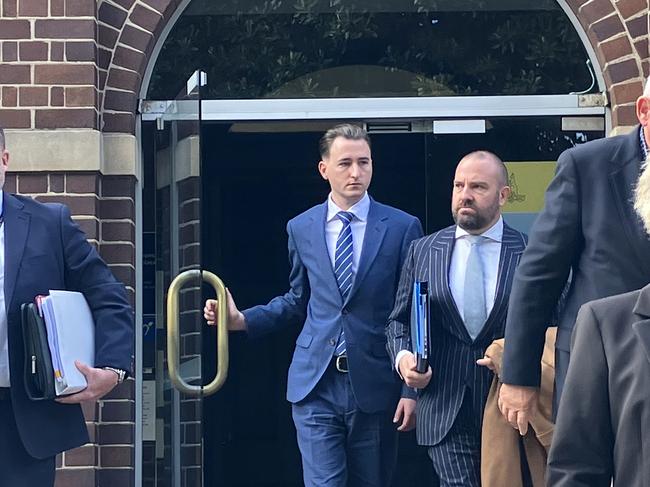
<point x="453" y="354"/>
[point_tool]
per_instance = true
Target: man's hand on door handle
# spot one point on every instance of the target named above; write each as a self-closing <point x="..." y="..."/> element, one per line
<point x="236" y="320"/>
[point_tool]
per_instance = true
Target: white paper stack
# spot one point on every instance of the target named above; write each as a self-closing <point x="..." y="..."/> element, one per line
<point x="71" y="336"/>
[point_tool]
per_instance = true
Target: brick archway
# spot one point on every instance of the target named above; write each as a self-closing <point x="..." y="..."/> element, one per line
<point x="618" y="33"/>
<point x="129" y="30"/>
<point x="127" y="34"/>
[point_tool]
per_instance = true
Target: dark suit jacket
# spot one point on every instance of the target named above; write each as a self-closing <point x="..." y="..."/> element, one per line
<point x="453" y="354"/>
<point x="45" y="250"/>
<point x="603" y="424"/>
<point x="588" y="226"/>
<point x="315" y="300"/>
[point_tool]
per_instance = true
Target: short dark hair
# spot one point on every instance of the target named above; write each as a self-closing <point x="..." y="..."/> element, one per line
<point x="484" y="154"/>
<point x="345" y="130"/>
<point x="2" y="139"/>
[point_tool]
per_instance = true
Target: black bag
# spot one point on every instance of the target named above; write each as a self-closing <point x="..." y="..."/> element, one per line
<point x="38" y="372"/>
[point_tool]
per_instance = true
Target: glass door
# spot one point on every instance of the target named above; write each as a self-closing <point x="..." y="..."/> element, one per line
<point x="174" y="385"/>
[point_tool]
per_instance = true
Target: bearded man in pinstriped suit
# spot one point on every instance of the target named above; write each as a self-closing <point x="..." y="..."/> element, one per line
<point x="469" y="267"/>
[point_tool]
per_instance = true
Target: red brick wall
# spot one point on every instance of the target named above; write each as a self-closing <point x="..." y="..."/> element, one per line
<point x="48" y="72"/>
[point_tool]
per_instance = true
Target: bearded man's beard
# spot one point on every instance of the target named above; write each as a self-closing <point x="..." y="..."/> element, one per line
<point x="478" y="220"/>
<point x="642" y="196"/>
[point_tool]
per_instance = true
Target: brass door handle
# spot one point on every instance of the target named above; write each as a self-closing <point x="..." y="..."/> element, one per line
<point x="173" y="336"/>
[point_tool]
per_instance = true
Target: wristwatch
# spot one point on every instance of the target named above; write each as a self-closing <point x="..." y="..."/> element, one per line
<point x="121" y="374"/>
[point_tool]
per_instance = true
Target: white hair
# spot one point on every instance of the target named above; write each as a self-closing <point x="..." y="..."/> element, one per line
<point x="646" y="90"/>
<point x="642" y="195"/>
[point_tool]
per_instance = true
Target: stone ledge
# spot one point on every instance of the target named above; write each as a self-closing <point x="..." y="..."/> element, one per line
<point x="72" y="151"/>
<point x="120" y="155"/>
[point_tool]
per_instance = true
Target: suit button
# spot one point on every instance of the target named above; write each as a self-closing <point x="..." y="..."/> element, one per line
<point x="345" y="311"/>
<point x="332" y="341"/>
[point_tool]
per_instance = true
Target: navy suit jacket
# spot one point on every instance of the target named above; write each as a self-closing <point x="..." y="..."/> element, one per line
<point x="44" y="250"/>
<point x="453" y="353"/>
<point x="315" y="300"/>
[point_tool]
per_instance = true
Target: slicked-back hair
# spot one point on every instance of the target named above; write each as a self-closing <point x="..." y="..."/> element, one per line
<point x="345" y="130"/>
<point x="484" y="154"/>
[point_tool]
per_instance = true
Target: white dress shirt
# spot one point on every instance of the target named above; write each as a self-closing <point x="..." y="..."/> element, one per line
<point x="490" y="251"/>
<point x="4" y="349"/>
<point x="334" y="225"/>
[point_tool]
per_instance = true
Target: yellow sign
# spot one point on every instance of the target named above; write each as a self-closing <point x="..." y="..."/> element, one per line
<point x="528" y="182"/>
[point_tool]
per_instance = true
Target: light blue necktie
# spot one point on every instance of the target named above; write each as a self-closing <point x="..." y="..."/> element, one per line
<point x="343" y="265"/>
<point x="474" y="311"/>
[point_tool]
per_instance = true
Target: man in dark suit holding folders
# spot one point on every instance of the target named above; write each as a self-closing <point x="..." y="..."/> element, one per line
<point x="42" y="249"/>
<point x="469" y="269"/>
<point x="345" y="254"/>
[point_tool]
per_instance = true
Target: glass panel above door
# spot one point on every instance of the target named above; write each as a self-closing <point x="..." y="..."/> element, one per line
<point x="255" y="49"/>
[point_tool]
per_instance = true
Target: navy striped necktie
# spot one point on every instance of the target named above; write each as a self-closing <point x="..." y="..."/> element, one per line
<point x="343" y="254"/>
<point x="343" y="265"/>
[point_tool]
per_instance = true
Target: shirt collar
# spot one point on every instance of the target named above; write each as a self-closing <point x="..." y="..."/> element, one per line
<point x="495" y="232"/>
<point x="360" y="209"/>
<point x="644" y="144"/>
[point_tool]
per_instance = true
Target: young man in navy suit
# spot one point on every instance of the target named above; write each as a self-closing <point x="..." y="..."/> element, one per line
<point x="345" y="255"/>
<point x="41" y="248"/>
<point x="469" y="269"/>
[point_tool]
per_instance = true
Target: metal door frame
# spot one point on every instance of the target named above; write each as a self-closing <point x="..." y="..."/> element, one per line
<point x="379" y="108"/>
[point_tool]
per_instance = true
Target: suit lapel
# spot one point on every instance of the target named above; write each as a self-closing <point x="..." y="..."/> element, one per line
<point x="319" y="244"/>
<point x="372" y="240"/>
<point x="511" y="249"/>
<point x="642" y="327"/>
<point x="623" y="179"/>
<point x="439" y="263"/>
<point x="16" y="227"/>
